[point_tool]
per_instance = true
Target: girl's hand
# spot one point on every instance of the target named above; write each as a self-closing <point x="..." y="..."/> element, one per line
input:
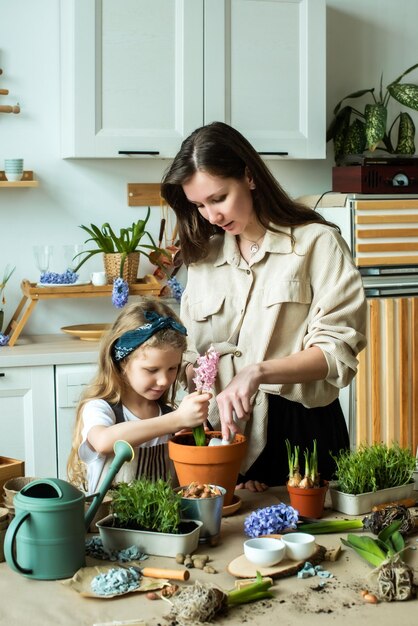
<point x="190" y="374"/>
<point x="235" y="400"/>
<point x="193" y="410"/>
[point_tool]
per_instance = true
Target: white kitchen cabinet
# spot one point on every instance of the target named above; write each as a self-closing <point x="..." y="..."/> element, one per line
<point x="27" y="418"/>
<point x="139" y="76"/>
<point x="71" y="380"/>
<point x="132" y="76"/>
<point x="265" y="73"/>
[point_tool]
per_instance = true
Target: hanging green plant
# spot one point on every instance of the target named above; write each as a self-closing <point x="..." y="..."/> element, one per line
<point x="353" y="130"/>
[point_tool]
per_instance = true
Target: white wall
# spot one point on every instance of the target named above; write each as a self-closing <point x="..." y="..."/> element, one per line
<point x="364" y="37"/>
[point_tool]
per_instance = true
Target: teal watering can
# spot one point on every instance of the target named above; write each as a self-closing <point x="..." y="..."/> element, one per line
<point x="46" y="538"/>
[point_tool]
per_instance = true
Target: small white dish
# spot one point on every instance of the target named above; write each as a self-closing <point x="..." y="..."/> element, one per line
<point x="264" y="551"/>
<point x="299" y="546"/>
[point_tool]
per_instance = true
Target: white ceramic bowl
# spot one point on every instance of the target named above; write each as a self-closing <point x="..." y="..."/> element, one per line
<point x="264" y="551"/>
<point x="299" y="546"/>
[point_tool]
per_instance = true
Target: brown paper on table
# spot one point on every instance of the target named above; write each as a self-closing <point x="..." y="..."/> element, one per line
<point x="81" y="582"/>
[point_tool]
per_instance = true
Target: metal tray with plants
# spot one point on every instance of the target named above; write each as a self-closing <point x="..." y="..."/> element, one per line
<point x="146" y="513"/>
<point x="371" y="475"/>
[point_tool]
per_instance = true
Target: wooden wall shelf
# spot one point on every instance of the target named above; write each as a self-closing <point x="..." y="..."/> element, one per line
<point x="144" y="194"/>
<point x="33" y="293"/>
<point x="27" y="180"/>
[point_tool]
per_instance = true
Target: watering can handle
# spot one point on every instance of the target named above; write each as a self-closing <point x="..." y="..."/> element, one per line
<point x="123" y="452"/>
<point x="10" y="540"/>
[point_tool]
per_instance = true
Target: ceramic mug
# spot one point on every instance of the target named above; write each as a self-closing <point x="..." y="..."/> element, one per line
<point x="98" y="278"/>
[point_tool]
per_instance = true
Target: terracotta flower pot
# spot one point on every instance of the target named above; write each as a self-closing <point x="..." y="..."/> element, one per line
<point x="217" y="465"/>
<point x="308" y="502"/>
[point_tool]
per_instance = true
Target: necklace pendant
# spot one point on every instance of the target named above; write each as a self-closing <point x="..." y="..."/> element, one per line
<point x="254" y="248"/>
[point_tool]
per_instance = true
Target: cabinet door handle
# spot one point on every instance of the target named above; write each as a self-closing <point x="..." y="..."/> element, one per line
<point x="273" y="153"/>
<point x="2" y="374"/>
<point x="138" y="152"/>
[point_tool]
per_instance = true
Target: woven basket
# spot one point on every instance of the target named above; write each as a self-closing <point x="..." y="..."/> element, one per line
<point x="130" y="269"/>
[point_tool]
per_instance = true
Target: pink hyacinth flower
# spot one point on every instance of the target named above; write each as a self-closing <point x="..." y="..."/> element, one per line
<point x="207" y="370"/>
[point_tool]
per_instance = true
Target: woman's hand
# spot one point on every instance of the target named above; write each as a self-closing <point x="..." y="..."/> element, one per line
<point x="193" y="409"/>
<point x="235" y="400"/>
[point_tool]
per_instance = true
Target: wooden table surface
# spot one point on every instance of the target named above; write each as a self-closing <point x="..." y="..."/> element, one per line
<point x="296" y="601"/>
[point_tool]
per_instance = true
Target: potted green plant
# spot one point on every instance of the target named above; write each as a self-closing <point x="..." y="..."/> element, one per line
<point x="354" y="130"/>
<point x="146" y="514"/>
<point x="307" y="493"/>
<point x="373" y="474"/>
<point x="121" y="251"/>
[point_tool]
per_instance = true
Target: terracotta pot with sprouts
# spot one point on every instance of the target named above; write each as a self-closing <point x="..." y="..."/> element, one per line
<point x="307" y="493"/>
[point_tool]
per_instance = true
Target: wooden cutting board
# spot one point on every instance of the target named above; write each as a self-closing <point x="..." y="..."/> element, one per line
<point x="240" y="567"/>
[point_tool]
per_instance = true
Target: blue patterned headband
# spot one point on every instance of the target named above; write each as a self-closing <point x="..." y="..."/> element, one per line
<point x="132" y="339"/>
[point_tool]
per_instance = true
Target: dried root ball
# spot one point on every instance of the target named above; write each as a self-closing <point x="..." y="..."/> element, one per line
<point x="396" y="581"/>
<point x="197" y="603"/>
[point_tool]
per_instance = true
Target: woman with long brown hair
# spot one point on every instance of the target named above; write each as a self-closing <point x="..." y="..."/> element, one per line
<point x="273" y="287"/>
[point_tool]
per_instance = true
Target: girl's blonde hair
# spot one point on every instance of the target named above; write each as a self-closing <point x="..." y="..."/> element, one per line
<point x="109" y="382"/>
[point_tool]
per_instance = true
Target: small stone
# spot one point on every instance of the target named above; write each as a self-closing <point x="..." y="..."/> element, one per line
<point x="151" y="595"/>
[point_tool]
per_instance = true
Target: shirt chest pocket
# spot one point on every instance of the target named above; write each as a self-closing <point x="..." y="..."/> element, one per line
<point x="202" y="310"/>
<point x="296" y="291"/>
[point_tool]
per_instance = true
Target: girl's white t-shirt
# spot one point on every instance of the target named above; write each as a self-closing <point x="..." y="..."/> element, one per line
<point x="99" y="413"/>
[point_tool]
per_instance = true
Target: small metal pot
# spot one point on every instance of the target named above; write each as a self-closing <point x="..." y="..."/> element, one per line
<point x="208" y="511"/>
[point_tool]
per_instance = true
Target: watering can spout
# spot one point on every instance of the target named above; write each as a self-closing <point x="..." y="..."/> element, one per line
<point x="123" y="452"/>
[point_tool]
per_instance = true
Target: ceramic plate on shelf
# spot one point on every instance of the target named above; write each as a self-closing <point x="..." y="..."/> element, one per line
<point x="78" y="282"/>
<point x="86" y="332"/>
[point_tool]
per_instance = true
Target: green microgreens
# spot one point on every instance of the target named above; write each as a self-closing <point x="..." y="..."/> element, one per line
<point x="147" y="505"/>
<point x="373" y="467"/>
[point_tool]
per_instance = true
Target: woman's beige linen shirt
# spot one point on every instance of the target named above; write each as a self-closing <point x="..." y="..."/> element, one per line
<point x="288" y="298"/>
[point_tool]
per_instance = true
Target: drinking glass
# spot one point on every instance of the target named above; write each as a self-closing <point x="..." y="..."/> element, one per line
<point x="71" y="252"/>
<point x="43" y="255"/>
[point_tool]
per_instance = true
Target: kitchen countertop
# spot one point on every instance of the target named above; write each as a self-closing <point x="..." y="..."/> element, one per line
<point x="48" y="350"/>
<point x="296" y="601"/>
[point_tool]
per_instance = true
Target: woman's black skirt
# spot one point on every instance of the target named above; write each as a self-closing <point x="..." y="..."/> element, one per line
<point x="291" y="420"/>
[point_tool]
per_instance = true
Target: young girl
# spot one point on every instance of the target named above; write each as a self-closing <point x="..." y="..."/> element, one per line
<point x="139" y="361"/>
